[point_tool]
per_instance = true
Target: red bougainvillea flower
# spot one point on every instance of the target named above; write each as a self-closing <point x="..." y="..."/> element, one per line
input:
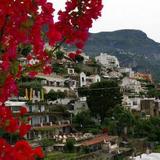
<point x="72" y="55"/>
<point x="25" y="26"/>
<point x="5" y="65"/>
<point x="47" y="69"/>
<point x="76" y="20"/>
<point x="32" y="74"/>
<point x="9" y="87"/>
<point x="29" y="118"/>
<point x="23" y="111"/>
<point x="23" y="129"/>
<point x="20" y="151"/>
<point x="78" y="52"/>
<point x="11" y="125"/>
<point x="38" y="152"/>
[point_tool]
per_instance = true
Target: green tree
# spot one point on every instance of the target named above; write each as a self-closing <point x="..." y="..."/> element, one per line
<point x="59" y="54"/>
<point x="102" y="96"/>
<point x="59" y="68"/>
<point x="83" y="120"/>
<point x="52" y="95"/>
<point x="153" y="93"/>
<point x="46" y="143"/>
<point x="79" y="58"/>
<point x="69" y="146"/>
<point x="124" y="119"/>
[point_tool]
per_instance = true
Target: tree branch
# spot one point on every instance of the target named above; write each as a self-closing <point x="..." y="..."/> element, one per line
<point x="59" y="45"/>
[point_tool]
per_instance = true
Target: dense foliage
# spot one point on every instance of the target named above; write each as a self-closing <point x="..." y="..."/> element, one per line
<point x="124" y="123"/>
<point x="101" y="97"/>
<point x="52" y="95"/>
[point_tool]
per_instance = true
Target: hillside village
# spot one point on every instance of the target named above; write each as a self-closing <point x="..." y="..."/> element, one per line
<point x="54" y="103"/>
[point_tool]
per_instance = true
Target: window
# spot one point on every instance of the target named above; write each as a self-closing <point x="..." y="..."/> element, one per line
<point x="134" y="103"/>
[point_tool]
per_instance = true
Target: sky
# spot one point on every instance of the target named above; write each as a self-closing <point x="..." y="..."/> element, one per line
<point x="126" y="14"/>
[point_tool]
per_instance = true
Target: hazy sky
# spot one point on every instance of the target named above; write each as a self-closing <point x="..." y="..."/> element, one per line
<point x="127" y="14"/>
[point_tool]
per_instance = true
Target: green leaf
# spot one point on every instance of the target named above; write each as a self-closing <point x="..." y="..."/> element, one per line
<point x="14" y="67"/>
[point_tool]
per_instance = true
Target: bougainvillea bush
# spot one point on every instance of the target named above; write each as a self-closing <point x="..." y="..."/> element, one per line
<point x="22" y="36"/>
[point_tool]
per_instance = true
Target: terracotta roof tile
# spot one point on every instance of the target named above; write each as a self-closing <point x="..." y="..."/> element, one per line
<point x="96" y="140"/>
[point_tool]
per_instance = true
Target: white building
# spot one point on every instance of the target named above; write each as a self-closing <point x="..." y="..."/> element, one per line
<point x="53" y="82"/>
<point x="78" y="106"/>
<point x="131" y="85"/>
<point x="127" y="71"/>
<point x="71" y="71"/>
<point x="131" y="103"/>
<point x="15" y="105"/>
<point x="34" y="108"/>
<point x="150" y="107"/>
<point x="107" y="60"/>
<point x="111" y="75"/>
<point x="151" y="156"/>
<point x="88" y="80"/>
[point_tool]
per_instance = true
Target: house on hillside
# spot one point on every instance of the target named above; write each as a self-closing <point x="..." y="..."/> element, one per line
<point x="49" y="131"/>
<point x="53" y="82"/>
<point x="144" y="77"/>
<point x="16" y="105"/>
<point x="45" y="121"/>
<point x="77" y="106"/>
<point x="150" y="107"/>
<point x="109" y="68"/>
<point x="107" y="61"/>
<point x="127" y="72"/>
<point x="91" y="143"/>
<point x="131" y="103"/>
<point x="131" y="85"/>
<point x="88" y="80"/>
<point x="105" y="142"/>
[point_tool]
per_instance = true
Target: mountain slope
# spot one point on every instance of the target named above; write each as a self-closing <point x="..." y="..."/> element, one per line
<point x="132" y="47"/>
